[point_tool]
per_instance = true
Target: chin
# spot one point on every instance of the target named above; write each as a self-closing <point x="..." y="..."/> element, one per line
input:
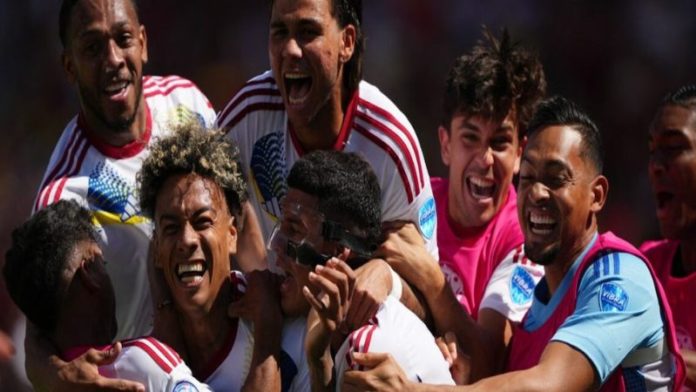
<point x="542" y="255"/>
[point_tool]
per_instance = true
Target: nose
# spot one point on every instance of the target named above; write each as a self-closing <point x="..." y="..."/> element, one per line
<point x="485" y="157"/>
<point x="114" y="55"/>
<point x="538" y="193"/>
<point x="292" y="49"/>
<point x="188" y="240"/>
<point x="657" y="164"/>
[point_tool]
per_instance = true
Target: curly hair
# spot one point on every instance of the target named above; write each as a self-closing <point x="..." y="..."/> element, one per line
<point x="347" y="189"/>
<point x="39" y="253"/>
<point x="192" y="149"/>
<point x="497" y="77"/>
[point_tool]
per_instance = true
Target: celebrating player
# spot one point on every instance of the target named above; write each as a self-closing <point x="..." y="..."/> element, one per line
<point x="672" y="172"/>
<point x="598" y="317"/>
<point x="56" y="275"/>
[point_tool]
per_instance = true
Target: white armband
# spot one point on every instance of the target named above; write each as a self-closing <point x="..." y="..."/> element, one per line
<point x="397" y="287"/>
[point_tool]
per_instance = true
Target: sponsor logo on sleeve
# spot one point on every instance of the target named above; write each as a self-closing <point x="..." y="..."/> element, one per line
<point x="612" y="298"/>
<point x="521" y="286"/>
<point x="427" y="218"/>
<point x="184" y="386"/>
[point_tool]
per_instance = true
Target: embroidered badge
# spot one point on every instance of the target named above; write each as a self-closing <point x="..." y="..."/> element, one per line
<point x="612" y="298"/>
<point x="184" y="386"/>
<point x="427" y="218"/>
<point x="521" y="286"/>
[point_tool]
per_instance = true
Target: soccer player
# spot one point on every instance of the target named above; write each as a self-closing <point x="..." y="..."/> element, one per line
<point x="192" y="187"/>
<point x="672" y="172"/>
<point x="101" y="149"/>
<point x="330" y="225"/>
<point x="598" y="318"/>
<point x="314" y="98"/>
<point x="56" y="275"/>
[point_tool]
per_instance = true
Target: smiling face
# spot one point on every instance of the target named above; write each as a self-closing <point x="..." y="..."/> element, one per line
<point x="104" y="57"/>
<point x="308" y="50"/>
<point x="482" y="157"/>
<point x="672" y="170"/>
<point x="194" y="238"/>
<point x="559" y="194"/>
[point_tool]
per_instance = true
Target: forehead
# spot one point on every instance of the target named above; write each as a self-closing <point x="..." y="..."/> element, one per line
<point x="186" y="193"/>
<point x="554" y="143"/>
<point x="675" y="118"/>
<point x="89" y="14"/>
<point x="481" y="122"/>
<point x="288" y="10"/>
<point x="303" y="199"/>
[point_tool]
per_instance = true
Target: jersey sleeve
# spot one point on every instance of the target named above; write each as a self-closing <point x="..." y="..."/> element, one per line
<point x="617" y="307"/>
<point x="511" y="287"/>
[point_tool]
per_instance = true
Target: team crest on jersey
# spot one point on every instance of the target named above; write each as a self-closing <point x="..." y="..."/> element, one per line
<point x="111" y="196"/>
<point x="184" y="386"/>
<point x="182" y="115"/>
<point x="521" y="286"/>
<point x="268" y="169"/>
<point x="684" y="338"/>
<point x="612" y="298"/>
<point x="427" y="218"/>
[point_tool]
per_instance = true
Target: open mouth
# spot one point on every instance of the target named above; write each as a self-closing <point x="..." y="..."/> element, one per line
<point x="192" y="273"/>
<point x="541" y="224"/>
<point x="481" y="188"/>
<point x="297" y="86"/>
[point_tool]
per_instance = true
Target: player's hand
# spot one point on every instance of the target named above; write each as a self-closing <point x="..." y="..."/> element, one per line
<point x="336" y="282"/>
<point x="403" y="248"/>
<point x="383" y="374"/>
<point x="372" y="286"/>
<point x="260" y="303"/>
<point x="459" y="363"/>
<point x="82" y="373"/>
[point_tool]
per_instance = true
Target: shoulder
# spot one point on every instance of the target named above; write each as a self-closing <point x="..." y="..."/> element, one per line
<point x="373" y="104"/>
<point x="257" y="94"/>
<point x="150" y="352"/>
<point x="658" y="249"/>
<point x="172" y="85"/>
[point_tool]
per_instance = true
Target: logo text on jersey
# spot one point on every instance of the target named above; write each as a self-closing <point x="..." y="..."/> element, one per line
<point x="427" y="218"/>
<point x="612" y="298"/>
<point x="521" y="286"/>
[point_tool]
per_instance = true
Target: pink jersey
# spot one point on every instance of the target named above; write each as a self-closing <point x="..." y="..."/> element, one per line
<point x="527" y="347"/>
<point x="681" y="291"/>
<point x="469" y="262"/>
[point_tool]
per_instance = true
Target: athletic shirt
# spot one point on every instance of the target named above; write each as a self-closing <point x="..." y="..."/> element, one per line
<point x="102" y="178"/>
<point x="680" y="291"/>
<point x="149" y="362"/>
<point x="609" y="307"/>
<point x="399" y="332"/>
<point x="373" y="127"/>
<point x="230" y="366"/>
<point x="469" y="263"/>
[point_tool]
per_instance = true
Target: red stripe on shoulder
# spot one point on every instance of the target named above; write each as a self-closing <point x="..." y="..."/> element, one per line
<point x="392" y="154"/>
<point x="164" y="91"/>
<point x="167" y="351"/>
<point x="64" y="158"/>
<point x="261" y="106"/>
<point x="141" y="344"/>
<point x="237" y="100"/>
<point x="414" y="144"/>
<point x="56" y="196"/>
<point x="368" y="339"/>
<point x="74" y="161"/>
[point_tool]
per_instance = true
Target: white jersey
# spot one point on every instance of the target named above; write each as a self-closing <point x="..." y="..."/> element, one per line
<point x="373" y="127"/>
<point x="230" y="367"/>
<point x="102" y="178"/>
<point x="399" y="332"/>
<point x="511" y="287"/>
<point x="152" y="363"/>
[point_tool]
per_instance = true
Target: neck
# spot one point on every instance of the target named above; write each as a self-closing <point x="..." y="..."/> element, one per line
<point x="118" y="137"/>
<point x="557" y="270"/>
<point x="205" y="332"/>
<point x="321" y="131"/>
<point x="688" y="256"/>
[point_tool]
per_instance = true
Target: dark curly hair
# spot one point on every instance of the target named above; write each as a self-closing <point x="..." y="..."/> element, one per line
<point x="192" y="149"/>
<point x="35" y="262"/>
<point x="558" y="110"/>
<point x="685" y="96"/>
<point x="347" y="189"/>
<point x="65" y="17"/>
<point x="497" y="77"/>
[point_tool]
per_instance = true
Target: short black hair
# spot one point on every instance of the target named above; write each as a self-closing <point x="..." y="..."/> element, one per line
<point x="39" y="253"/>
<point x="347" y="189"/>
<point x="65" y="17"/>
<point x="496" y="77"/>
<point x="685" y="96"/>
<point x="560" y="111"/>
<point x="193" y="149"/>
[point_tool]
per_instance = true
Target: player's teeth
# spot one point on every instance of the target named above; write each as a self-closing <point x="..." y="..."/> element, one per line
<point x="480" y="182"/>
<point x="541" y="219"/>
<point x="183" y="268"/>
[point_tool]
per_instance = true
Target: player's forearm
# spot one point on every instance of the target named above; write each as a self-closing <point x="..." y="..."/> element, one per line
<point x="264" y="373"/>
<point x="415" y="302"/>
<point x="318" y="355"/>
<point x="321" y="372"/>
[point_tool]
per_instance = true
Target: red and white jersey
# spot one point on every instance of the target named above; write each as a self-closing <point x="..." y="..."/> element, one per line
<point x="399" y="332"/>
<point x="102" y="178"/>
<point x="150" y="362"/>
<point x="511" y="287"/>
<point x="373" y="127"/>
<point x="229" y="367"/>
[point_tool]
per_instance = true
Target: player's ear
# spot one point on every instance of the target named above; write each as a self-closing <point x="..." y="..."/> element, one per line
<point x="599" y="189"/>
<point x="444" y="136"/>
<point x="232" y="237"/>
<point x="518" y="156"/>
<point x="142" y="37"/>
<point x="68" y="66"/>
<point x="87" y="277"/>
<point x="349" y="36"/>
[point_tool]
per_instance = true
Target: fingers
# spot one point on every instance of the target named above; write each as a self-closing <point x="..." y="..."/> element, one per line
<point x="370" y="360"/>
<point x="362" y="308"/>
<point x="452" y="345"/>
<point x="442" y="345"/>
<point x="106" y="357"/>
<point x="314" y="302"/>
<point x="331" y="281"/>
<point x="114" y="385"/>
